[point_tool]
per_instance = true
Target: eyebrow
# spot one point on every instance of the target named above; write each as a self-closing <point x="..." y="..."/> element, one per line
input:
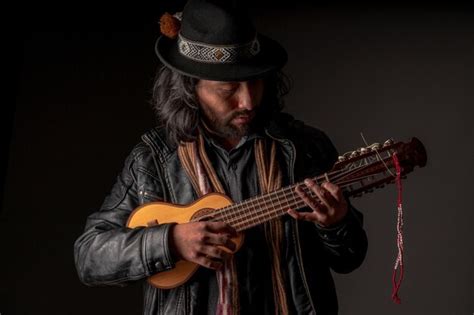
<point x="226" y="82"/>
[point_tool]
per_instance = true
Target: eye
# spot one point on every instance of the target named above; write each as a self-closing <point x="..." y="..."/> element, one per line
<point x="226" y="90"/>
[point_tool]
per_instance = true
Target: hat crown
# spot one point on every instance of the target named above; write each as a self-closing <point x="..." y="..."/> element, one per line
<point x="217" y="22"/>
<point x="218" y="41"/>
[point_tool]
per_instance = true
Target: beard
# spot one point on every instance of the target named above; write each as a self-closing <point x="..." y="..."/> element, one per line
<point x="224" y="127"/>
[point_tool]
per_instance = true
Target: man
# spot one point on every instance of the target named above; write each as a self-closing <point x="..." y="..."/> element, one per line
<point x="218" y="100"/>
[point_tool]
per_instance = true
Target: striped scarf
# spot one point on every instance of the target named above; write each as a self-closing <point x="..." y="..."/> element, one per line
<point x="204" y="180"/>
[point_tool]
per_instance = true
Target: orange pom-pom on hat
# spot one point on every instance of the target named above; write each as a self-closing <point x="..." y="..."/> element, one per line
<point x="170" y="25"/>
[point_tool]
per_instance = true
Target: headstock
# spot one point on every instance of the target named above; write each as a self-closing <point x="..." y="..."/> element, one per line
<point x="370" y="167"/>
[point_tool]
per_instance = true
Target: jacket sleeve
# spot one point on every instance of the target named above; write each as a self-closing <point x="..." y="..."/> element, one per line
<point x="109" y="253"/>
<point x="346" y="243"/>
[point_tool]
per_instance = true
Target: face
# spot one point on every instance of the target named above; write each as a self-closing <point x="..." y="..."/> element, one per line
<point x="230" y="108"/>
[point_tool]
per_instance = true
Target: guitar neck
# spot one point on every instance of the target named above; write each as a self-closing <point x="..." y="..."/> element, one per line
<point x="356" y="173"/>
<point x="263" y="208"/>
<point x="353" y="181"/>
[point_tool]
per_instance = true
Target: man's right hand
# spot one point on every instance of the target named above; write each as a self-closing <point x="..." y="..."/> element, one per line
<point x="198" y="242"/>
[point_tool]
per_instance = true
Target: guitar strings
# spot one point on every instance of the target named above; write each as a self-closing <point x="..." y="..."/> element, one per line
<point x="377" y="152"/>
<point x="237" y="214"/>
<point x="260" y="215"/>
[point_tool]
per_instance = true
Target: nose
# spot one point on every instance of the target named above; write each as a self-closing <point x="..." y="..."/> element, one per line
<point x="248" y="95"/>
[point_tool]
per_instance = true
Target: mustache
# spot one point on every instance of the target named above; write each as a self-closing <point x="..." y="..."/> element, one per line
<point x="244" y="112"/>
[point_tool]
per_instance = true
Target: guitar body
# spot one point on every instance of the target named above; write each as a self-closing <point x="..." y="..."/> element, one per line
<point x="161" y="212"/>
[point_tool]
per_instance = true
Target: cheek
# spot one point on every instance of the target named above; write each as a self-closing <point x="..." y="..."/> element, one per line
<point x="215" y="109"/>
<point x="208" y="101"/>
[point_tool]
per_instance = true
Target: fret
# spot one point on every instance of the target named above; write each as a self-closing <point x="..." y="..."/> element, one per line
<point x="235" y="213"/>
<point x="265" y="211"/>
<point x="261" y="213"/>
<point x="245" y="211"/>
<point x="291" y="203"/>
<point x="249" y="209"/>
<point x="245" y="215"/>
<point x="254" y="203"/>
<point x="273" y="206"/>
<point x="262" y="207"/>
<point x="224" y="212"/>
<point x="280" y="204"/>
<point x="276" y="209"/>
<point x="286" y="199"/>
<point x="295" y="197"/>
<point x="262" y="217"/>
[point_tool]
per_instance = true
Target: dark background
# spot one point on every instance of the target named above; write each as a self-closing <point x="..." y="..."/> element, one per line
<point x="77" y="102"/>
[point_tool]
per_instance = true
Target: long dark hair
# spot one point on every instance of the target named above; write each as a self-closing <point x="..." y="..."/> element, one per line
<point x="177" y="108"/>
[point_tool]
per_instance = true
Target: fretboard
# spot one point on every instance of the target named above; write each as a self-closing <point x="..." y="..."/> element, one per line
<point x="266" y="207"/>
<point x="263" y="208"/>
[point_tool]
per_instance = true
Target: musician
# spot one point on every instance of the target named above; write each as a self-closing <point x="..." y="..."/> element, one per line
<point x="218" y="99"/>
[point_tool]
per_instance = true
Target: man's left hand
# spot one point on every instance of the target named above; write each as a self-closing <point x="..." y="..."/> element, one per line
<point x="329" y="207"/>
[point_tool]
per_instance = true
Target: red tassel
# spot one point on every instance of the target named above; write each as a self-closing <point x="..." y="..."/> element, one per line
<point x="399" y="261"/>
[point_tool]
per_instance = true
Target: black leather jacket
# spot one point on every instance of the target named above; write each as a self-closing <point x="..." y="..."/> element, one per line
<point x="108" y="253"/>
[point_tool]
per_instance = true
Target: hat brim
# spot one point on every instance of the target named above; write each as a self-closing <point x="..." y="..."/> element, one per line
<point x="272" y="56"/>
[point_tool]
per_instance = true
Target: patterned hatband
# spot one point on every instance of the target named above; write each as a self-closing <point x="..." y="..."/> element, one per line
<point x="217" y="53"/>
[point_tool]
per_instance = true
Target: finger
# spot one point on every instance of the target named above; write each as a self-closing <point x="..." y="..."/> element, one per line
<point x="220" y="227"/>
<point x="208" y="263"/>
<point x="215" y="252"/>
<point x="334" y="190"/>
<point x="220" y="239"/>
<point x="307" y="216"/>
<point x="311" y="202"/>
<point x="312" y="187"/>
<point x="325" y="196"/>
<point x="293" y="213"/>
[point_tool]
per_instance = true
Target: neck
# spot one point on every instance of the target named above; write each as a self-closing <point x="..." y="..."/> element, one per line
<point x="226" y="143"/>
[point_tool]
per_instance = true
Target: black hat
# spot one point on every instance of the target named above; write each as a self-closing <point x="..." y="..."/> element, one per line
<point x="218" y="41"/>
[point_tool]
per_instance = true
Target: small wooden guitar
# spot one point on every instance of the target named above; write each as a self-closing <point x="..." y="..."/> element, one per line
<point x="356" y="172"/>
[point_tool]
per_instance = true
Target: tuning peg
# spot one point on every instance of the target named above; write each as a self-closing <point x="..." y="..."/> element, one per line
<point x="375" y="146"/>
<point x="388" y="143"/>
<point x="354" y="154"/>
<point x="364" y="150"/>
<point x="341" y="158"/>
